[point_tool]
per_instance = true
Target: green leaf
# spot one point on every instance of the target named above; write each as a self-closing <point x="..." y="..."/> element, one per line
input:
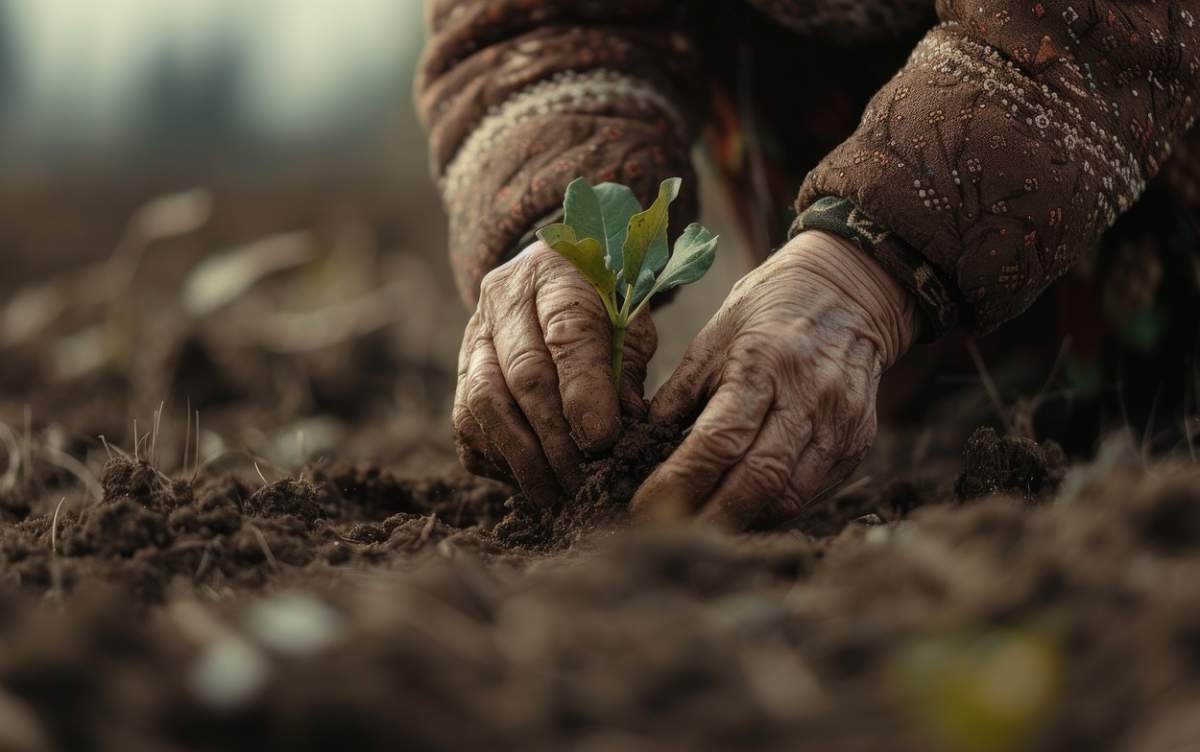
<point x="586" y="255"/>
<point x="617" y="205"/>
<point x="559" y="231"/>
<point x="643" y="287"/>
<point x="694" y="253"/>
<point x="645" y="229"/>
<point x="581" y="210"/>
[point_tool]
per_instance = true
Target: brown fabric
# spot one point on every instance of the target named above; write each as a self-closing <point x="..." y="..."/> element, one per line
<point x="1016" y="135"/>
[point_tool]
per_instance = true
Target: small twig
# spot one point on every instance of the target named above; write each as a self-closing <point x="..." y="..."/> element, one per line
<point x="135" y="441"/>
<point x="1187" y="435"/>
<point x="428" y="529"/>
<point x="262" y="541"/>
<point x="12" y="474"/>
<point x="988" y="385"/>
<point x="1133" y="439"/>
<point x="205" y="559"/>
<point x="196" y="449"/>
<point x="107" y="448"/>
<point x="54" y="528"/>
<point x="28" y="443"/>
<point x="1059" y="359"/>
<point x="187" y="436"/>
<point x="1148" y="431"/>
<point x="154" y="434"/>
<point x="258" y="470"/>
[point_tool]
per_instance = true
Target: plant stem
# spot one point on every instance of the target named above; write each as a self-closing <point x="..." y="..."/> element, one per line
<point x="618" y="354"/>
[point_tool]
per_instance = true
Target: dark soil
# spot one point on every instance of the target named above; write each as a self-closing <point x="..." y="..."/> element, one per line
<point x="981" y="595"/>
<point x="602" y="503"/>
<point x="1010" y="464"/>
<point x="221" y="534"/>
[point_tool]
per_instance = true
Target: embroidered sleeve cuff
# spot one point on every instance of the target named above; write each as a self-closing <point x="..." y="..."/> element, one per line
<point x="841" y="217"/>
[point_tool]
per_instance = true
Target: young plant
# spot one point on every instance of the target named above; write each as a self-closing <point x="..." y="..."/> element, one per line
<point x="622" y="250"/>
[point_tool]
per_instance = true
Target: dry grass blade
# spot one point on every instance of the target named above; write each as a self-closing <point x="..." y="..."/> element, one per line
<point x="12" y="472"/>
<point x="54" y="527"/>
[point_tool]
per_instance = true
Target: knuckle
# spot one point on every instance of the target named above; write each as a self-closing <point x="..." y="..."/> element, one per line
<point x="461" y="419"/>
<point x="472" y="459"/>
<point x="571" y="324"/>
<point x="481" y="393"/>
<point x="721" y="444"/>
<point x="531" y="372"/>
<point x="495" y="281"/>
<point x="785" y="506"/>
<point x="766" y="474"/>
<point x="764" y="351"/>
<point x="542" y="257"/>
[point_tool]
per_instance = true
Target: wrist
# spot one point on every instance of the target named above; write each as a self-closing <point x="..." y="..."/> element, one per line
<point x="889" y="312"/>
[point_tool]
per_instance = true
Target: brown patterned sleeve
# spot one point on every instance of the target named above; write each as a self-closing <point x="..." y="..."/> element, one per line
<point x="522" y="96"/>
<point x="1015" y="135"/>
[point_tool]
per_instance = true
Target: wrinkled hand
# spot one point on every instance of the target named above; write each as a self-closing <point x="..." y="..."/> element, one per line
<point x="783" y="379"/>
<point x="534" y="376"/>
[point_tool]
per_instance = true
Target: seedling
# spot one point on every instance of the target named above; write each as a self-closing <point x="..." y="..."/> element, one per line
<point x="622" y="250"/>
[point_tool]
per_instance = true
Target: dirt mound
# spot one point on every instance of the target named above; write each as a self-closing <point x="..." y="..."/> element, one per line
<point x="1009" y="464"/>
<point x="219" y="533"/>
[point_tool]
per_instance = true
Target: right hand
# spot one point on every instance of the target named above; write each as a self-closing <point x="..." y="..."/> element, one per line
<point x="535" y="393"/>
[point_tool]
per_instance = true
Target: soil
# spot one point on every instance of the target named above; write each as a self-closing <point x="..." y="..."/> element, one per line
<point x="321" y="575"/>
<point x="602" y="503"/>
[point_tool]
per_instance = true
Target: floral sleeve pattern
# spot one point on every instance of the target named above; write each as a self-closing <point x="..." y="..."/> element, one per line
<point x="1015" y="136"/>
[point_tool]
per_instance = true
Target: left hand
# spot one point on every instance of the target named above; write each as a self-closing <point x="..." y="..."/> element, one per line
<point x="783" y="379"/>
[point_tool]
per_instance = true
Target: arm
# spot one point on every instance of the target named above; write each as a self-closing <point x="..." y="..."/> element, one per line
<point x="1013" y="139"/>
<point x="520" y="98"/>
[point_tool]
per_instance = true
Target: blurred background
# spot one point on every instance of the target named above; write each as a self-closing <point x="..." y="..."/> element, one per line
<point x="224" y="206"/>
<point x="140" y="85"/>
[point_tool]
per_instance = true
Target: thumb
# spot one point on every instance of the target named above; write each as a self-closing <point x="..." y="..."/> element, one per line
<point x="641" y="341"/>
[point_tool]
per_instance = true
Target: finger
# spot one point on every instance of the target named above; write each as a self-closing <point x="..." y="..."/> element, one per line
<point x="578" y="336"/>
<point x="533" y="381"/>
<point x="641" y="340"/>
<point x="815" y="473"/>
<point x="764" y="476"/>
<point x="473" y="450"/>
<point x="678" y="400"/>
<point x="507" y="431"/>
<point x="720" y="438"/>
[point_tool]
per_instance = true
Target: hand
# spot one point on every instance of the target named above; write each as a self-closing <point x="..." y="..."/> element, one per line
<point x="535" y="386"/>
<point x="783" y="379"/>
